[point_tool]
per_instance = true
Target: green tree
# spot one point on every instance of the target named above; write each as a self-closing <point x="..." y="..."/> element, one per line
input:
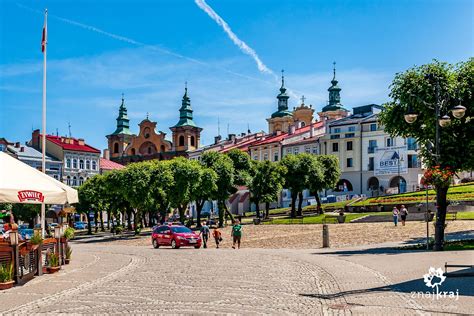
<point x="186" y="175"/>
<point x="331" y="173"/>
<point x="415" y="91"/>
<point x="26" y="212"/>
<point x="207" y="188"/>
<point x="266" y="184"/>
<point x="242" y="167"/>
<point x="224" y="168"/>
<point x="161" y="182"/>
<point x="295" y="178"/>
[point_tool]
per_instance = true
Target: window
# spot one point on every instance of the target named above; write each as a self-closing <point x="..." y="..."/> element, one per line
<point x="74" y="163"/>
<point x="116" y="148"/>
<point x="335" y="147"/>
<point x="337" y="130"/>
<point x="335" y="136"/>
<point x="81" y="180"/>
<point x="307" y="149"/>
<point x="349" y="163"/>
<point x="94" y="165"/>
<point x="296" y="150"/>
<point x="163" y="148"/>
<point x="413" y="161"/>
<point x="315" y="150"/>
<point x="149" y="150"/>
<point x="275" y="157"/>
<point x="255" y="157"/>
<point x="68" y="163"/>
<point x="192" y="141"/>
<point x="411" y="143"/>
<point x="349" y="135"/>
<point x="352" y="128"/>
<point x="2" y="147"/>
<point x="133" y="152"/>
<point x="288" y="150"/>
<point x="81" y="164"/>
<point x="349" y="145"/>
<point x="371" y="163"/>
<point x="373" y="127"/>
<point x="181" y="140"/>
<point x="372" y="146"/>
<point x="68" y="180"/>
<point x="265" y="156"/>
<point x="389" y="142"/>
<point x="74" y="181"/>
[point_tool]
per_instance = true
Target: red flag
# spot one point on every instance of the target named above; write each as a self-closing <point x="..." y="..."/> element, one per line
<point x="43" y="41"/>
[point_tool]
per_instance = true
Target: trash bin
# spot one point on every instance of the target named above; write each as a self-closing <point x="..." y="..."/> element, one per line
<point x="256" y="221"/>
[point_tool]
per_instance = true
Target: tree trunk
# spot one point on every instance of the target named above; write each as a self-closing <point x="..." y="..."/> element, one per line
<point x="319" y="209"/>
<point x="293" y="204"/>
<point x="144" y="221"/>
<point x="220" y="206"/>
<point x="229" y="213"/>
<point x="109" y="218"/>
<point x="89" y="226"/>
<point x="181" y="210"/>
<point x="96" y="215"/>
<point x="257" y="208"/>
<point x="101" y="216"/>
<point x="151" y="219"/>
<point x="199" y="206"/>
<point x="300" y="202"/>
<point x="129" y="219"/>
<point x="441" y="208"/>
<point x="267" y="209"/>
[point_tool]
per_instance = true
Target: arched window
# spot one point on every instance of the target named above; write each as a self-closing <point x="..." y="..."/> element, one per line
<point x="68" y="163"/>
<point x="181" y="140"/>
<point x="88" y="164"/>
<point x="399" y="182"/>
<point x="81" y="164"/>
<point x="163" y="148"/>
<point x="74" y="181"/>
<point x="94" y="165"/>
<point x="343" y="185"/>
<point x="373" y="184"/>
<point x="303" y="124"/>
<point x="133" y="151"/>
<point x="81" y="180"/>
<point x="192" y="141"/>
<point x="68" y="180"/>
<point x="149" y="150"/>
<point x="116" y="148"/>
<point x="74" y="163"/>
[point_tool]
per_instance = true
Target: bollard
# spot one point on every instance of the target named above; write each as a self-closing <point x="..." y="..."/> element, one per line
<point x="325" y="236"/>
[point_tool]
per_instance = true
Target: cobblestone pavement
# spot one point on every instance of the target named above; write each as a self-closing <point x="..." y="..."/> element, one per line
<point x="118" y="279"/>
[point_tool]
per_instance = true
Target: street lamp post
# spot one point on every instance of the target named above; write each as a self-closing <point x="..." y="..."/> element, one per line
<point x="457" y="111"/>
<point x="398" y="163"/>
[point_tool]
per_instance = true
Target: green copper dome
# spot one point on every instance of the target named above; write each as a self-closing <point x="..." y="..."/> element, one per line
<point x="185" y="112"/>
<point x="282" y="101"/>
<point x="123" y="123"/>
<point x="334" y="103"/>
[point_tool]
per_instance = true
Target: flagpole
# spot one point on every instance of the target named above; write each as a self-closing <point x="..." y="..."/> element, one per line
<point x="43" y="158"/>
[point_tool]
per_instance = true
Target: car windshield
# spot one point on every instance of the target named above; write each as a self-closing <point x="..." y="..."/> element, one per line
<point x="181" y="229"/>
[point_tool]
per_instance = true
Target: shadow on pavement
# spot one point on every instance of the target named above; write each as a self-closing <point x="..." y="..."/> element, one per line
<point x="461" y="285"/>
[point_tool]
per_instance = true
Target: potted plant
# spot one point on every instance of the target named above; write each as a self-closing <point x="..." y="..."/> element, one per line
<point x="53" y="261"/>
<point x="69" y="233"/>
<point x="341" y="218"/>
<point x="6" y="276"/>
<point x="36" y="241"/>
<point x="68" y="254"/>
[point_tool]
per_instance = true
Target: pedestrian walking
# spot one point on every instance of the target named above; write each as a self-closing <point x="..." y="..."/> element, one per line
<point x="403" y="214"/>
<point x="395" y="213"/>
<point x="216" y="233"/>
<point x="204" y="232"/>
<point x="236" y="234"/>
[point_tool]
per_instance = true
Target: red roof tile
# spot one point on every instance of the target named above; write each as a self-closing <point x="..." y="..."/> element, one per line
<point x="58" y="140"/>
<point x="109" y="164"/>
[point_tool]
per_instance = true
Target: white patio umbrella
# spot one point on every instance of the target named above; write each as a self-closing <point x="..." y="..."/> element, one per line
<point x="20" y="183"/>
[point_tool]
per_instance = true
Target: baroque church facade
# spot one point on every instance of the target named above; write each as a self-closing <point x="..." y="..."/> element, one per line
<point x="126" y="147"/>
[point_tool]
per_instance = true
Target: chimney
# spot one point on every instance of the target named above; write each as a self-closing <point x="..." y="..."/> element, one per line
<point x="22" y="149"/>
<point x="35" y="139"/>
<point x="17" y="145"/>
<point x="232" y="137"/>
<point x="217" y="139"/>
<point x="311" y="131"/>
<point x="291" y="129"/>
<point x="106" y="154"/>
<point x="80" y="141"/>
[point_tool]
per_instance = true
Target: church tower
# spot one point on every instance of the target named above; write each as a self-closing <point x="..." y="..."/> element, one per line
<point x="118" y="140"/>
<point x="334" y="108"/>
<point x="303" y="113"/>
<point x="186" y="134"/>
<point x="283" y="118"/>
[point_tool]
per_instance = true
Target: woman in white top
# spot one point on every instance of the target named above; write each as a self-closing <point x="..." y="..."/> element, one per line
<point x="395" y="213"/>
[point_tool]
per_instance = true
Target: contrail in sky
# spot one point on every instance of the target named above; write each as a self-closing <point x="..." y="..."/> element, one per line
<point x="237" y="41"/>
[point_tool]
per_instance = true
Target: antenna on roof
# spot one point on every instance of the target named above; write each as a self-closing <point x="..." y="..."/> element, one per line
<point x="57" y="132"/>
<point x="248" y="128"/>
<point x="218" y="126"/>
<point x="69" y="128"/>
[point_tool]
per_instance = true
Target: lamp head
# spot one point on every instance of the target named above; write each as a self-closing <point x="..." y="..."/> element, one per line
<point x="444" y="121"/>
<point x="458" y="111"/>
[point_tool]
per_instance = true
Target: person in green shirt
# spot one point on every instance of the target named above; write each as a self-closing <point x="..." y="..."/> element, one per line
<point x="236" y="233"/>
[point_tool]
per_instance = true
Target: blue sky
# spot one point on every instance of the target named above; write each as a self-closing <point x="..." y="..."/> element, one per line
<point x="170" y="42"/>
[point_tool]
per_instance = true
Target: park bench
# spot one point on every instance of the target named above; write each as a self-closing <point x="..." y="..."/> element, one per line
<point x="451" y="215"/>
<point x="446" y="266"/>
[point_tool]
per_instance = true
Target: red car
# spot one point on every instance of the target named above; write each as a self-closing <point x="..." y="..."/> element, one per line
<point x="175" y="236"/>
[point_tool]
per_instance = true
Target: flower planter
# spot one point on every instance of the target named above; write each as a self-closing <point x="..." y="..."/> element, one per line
<point x="66" y="261"/>
<point x="341" y="219"/>
<point x="52" y="270"/>
<point x="6" y="285"/>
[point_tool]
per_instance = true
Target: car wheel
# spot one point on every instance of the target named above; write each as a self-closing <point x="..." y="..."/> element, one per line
<point x="197" y="247"/>
<point x="174" y="245"/>
<point x="155" y="244"/>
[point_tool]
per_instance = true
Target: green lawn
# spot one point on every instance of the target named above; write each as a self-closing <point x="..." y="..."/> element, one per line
<point x="319" y="219"/>
<point x="465" y="215"/>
